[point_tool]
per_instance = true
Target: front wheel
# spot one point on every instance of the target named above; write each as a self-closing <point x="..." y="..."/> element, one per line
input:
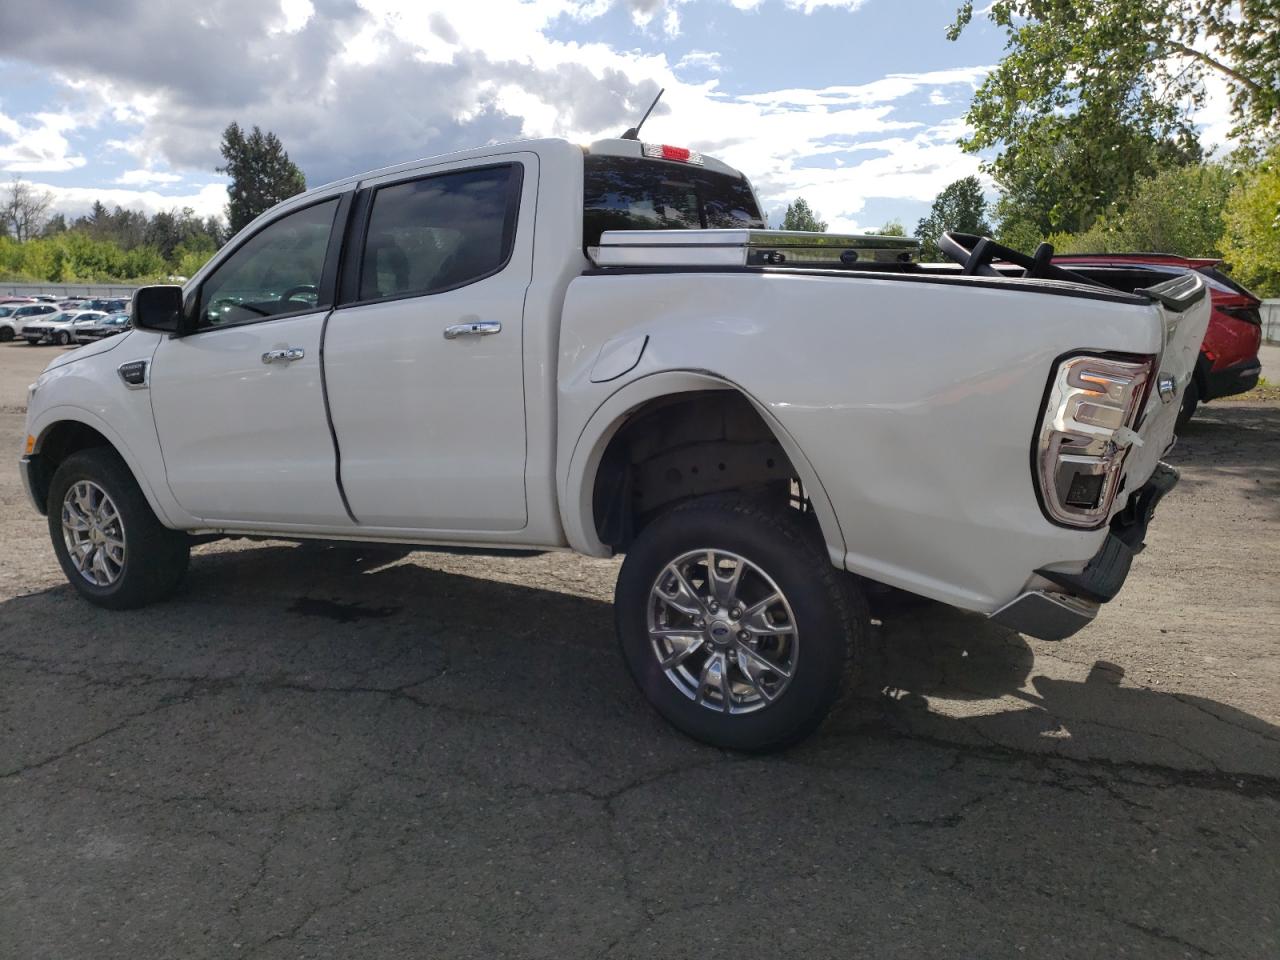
<point x="735" y="625"/>
<point x="64" y="338"/>
<point x="107" y="539"/>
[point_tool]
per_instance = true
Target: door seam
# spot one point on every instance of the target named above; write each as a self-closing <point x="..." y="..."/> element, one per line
<point x="328" y="418"/>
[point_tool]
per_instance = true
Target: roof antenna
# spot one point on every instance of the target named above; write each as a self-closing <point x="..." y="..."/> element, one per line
<point x="634" y="132"/>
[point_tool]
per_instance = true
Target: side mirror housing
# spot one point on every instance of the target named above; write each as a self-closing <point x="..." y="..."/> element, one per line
<point x="158" y="308"/>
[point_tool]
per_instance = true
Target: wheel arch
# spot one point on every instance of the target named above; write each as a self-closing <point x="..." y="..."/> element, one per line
<point x="67" y="430"/>
<point x="635" y="400"/>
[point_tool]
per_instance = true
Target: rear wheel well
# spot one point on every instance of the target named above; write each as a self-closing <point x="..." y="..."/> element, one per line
<point x="59" y="442"/>
<point x="682" y="446"/>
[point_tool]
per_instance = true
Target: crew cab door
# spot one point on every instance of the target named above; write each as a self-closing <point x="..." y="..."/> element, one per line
<point x="239" y="402"/>
<point x="423" y="362"/>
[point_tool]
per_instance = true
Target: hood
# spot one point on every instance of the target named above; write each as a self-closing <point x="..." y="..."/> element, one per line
<point x="90" y="350"/>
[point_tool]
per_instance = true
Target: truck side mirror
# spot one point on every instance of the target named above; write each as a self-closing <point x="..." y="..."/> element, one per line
<point x="158" y="308"/>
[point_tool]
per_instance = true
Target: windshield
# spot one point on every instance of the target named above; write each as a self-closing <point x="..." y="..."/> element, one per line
<point x="633" y="193"/>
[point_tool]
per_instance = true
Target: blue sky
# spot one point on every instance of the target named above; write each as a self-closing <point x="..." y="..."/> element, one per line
<point x="854" y="104"/>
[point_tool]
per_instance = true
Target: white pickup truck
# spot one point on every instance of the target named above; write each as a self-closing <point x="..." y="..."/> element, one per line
<point x="540" y="345"/>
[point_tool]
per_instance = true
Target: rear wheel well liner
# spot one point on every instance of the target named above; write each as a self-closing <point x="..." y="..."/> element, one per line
<point x="676" y="446"/>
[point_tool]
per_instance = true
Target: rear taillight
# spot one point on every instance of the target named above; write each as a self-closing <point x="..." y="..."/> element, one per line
<point x="1085" y="431"/>
<point x="664" y="151"/>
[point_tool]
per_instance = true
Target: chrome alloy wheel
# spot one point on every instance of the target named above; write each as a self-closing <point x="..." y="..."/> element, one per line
<point x="723" y="631"/>
<point x="94" y="533"/>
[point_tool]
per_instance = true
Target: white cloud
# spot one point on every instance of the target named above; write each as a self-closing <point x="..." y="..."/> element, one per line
<point x="707" y="60"/>
<point x="40" y="146"/>
<point x="805" y="6"/>
<point x="808" y="6"/>
<point x="138" y="178"/>
<point x="295" y="14"/>
<point x="209" y="200"/>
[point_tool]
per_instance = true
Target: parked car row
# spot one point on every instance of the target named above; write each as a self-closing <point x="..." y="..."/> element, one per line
<point x="72" y="320"/>
<point x="75" y="326"/>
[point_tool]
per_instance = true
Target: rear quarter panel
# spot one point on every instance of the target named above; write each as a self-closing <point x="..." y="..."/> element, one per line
<point x="915" y="403"/>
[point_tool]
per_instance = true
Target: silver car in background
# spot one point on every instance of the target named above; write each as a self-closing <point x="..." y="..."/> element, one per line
<point x="96" y="325"/>
<point x="56" y="328"/>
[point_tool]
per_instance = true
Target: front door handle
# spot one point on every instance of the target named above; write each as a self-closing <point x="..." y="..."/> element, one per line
<point x="288" y="355"/>
<point x="481" y="328"/>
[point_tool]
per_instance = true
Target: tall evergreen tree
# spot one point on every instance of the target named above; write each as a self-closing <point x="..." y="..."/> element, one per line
<point x="261" y="174"/>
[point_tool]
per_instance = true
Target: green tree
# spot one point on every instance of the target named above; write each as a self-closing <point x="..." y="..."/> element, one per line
<point x="190" y="257"/>
<point x="261" y="174"/>
<point x="1251" y="243"/>
<point x="892" y="228"/>
<point x="961" y="207"/>
<point x="800" y="216"/>
<point x="1178" y="210"/>
<point x="1091" y="96"/>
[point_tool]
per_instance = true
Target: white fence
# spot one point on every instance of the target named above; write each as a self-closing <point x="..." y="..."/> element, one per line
<point x="1271" y="321"/>
<point x="68" y="289"/>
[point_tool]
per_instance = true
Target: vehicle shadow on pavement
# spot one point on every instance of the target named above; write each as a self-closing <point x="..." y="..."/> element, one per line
<point x="997" y="699"/>
<point x="311" y="617"/>
<point x="331" y="752"/>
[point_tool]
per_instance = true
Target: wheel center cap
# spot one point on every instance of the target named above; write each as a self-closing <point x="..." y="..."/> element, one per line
<point x="720" y="632"/>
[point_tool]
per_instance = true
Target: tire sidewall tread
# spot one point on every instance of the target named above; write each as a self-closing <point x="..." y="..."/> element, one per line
<point x="156" y="557"/>
<point x="831" y="617"/>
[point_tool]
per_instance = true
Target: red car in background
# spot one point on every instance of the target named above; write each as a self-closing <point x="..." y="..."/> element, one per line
<point x="1229" y="354"/>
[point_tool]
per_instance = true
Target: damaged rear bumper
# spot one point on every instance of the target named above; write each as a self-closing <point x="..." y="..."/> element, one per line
<point x="1055" y="614"/>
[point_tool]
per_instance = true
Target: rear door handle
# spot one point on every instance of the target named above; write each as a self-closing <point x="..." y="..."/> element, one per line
<point x="481" y="328"/>
<point x="288" y="355"/>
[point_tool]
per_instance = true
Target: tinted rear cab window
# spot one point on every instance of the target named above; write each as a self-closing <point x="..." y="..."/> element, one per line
<point x="634" y="193"/>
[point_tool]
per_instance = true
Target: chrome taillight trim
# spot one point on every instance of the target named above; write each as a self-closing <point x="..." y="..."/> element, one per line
<point x="1091" y="403"/>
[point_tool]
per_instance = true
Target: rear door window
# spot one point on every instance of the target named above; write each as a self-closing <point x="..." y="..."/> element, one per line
<point x="439" y="233"/>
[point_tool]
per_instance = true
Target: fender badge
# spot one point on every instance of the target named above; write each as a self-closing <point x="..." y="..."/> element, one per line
<point x="134" y="374"/>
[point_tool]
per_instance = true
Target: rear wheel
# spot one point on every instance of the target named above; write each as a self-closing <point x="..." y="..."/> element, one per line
<point x="108" y="541"/>
<point x="5" y="334"/>
<point x="1190" y="401"/>
<point x="735" y="625"/>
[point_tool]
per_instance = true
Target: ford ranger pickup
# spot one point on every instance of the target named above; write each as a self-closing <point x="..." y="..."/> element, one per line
<point x="543" y="346"/>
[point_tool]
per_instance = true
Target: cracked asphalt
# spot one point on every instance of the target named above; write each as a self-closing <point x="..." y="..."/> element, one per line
<point x="333" y="753"/>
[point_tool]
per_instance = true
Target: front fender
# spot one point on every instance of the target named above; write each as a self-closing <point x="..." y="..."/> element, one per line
<point x="41" y="425"/>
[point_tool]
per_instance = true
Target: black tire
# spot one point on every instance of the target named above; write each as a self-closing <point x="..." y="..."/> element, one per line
<point x="64" y="338"/>
<point x="830" y="615"/>
<point x="155" y="557"/>
<point x="1190" y="401"/>
<point x="5" y="334"/>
